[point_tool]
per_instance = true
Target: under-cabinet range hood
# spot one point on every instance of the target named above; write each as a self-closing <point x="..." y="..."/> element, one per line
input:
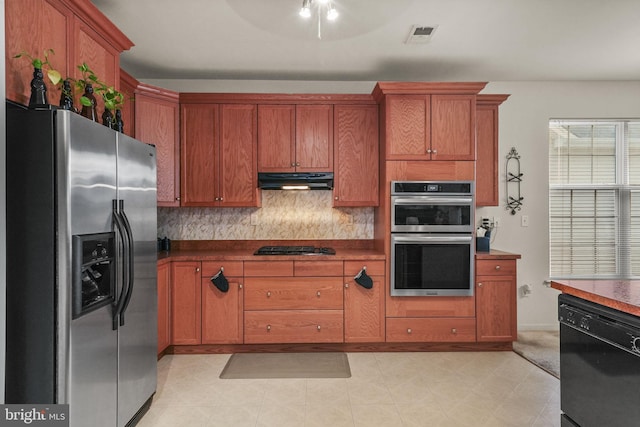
<point x="296" y="181"/>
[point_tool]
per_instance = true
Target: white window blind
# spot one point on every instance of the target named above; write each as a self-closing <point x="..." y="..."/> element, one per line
<point x="594" y="199"/>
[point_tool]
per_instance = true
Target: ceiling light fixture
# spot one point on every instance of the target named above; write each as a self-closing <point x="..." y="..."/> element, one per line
<point x="321" y="6"/>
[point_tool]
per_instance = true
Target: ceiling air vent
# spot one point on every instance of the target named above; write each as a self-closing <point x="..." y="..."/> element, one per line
<point x="421" y="34"/>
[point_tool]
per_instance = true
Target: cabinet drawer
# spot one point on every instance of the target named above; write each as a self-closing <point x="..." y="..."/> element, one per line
<point x="268" y="268"/>
<point x="374" y="268"/>
<point x="317" y="268"/>
<point x="231" y="268"/>
<point x="504" y="267"/>
<point x="293" y="326"/>
<point x="445" y="329"/>
<point x="274" y="293"/>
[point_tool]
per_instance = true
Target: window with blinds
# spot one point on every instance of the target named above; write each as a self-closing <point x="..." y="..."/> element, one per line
<point x="594" y="198"/>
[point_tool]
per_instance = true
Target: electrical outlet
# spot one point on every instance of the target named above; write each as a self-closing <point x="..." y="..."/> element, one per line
<point x="496" y="222"/>
<point x="254" y="219"/>
<point x="524" y="221"/>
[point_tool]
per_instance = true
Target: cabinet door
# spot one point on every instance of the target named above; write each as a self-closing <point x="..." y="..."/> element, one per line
<point x="496" y="308"/>
<point x="157" y="123"/>
<point x="164" y="296"/>
<point x="198" y="155"/>
<point x="32" y="26"/>
<point x="185" y="303"/>
<point x="314" y="138"/>
<point x="222" y="319"/>
<point x="487" y="149"/>
<point x="453" y="127"/>
<point x="408" y="127"/>
<point x="364" y="314"/>
<point x="237" y="172"/>
<point x="276" y="138"/>
<point x="356" y="155"/>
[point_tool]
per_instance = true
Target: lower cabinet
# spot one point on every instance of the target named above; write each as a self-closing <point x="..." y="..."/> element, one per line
<point x="496" y="304"/>
<point x="222" y="311"/>
<point x="185" y="302"/>
<point x="423" y="329"/>
<point x="364" y="308"/>
<point x="164" y="305"/>
<point x="293" y="326"/>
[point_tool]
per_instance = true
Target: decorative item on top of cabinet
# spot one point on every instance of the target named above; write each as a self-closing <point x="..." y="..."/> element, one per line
<point x="513" y="179"/>
<point x="222" y="316"/>
<point x="356" y="155"/>
<point x="218" y="155"/>
<point x="157" y="122"/>
<point x="295" y="138"/>
<point x="496" y="306"/>
<point x="487" y="148"/>
<point x="364" y="308"/>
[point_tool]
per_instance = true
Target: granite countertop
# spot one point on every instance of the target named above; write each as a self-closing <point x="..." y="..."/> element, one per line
<point x="623" y="295"/>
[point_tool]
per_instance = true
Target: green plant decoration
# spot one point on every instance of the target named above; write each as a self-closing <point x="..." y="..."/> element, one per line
<point x="53" y="74"/>
<point x="113" y="99"/>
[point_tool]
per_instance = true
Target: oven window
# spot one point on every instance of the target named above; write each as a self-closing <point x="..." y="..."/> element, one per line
<point x="432" y="214"/>
<point x="432" y="267"/>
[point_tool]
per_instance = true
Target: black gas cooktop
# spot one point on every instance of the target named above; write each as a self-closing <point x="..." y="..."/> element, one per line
<point x="294" y="250"/>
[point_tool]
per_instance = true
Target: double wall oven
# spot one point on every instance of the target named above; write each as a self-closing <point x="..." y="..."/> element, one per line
<point x="432" y="250"/>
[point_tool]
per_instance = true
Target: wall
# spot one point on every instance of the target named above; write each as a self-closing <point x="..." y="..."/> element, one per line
<point x="3" y="210"/>
<point x="523" y="124"/>
<point x="284" y="215"/>
<point x="524" y="119"/>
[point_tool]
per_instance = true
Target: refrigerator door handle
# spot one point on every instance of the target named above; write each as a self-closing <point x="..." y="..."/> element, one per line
<point x="124" y="238"/>
<point x="129" y="231"/>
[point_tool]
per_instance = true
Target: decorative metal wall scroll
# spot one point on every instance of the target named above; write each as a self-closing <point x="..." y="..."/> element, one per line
<point x="513" y="180"/>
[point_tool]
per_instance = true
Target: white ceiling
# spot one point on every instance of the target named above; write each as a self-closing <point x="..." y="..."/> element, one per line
<point x="476" y="40"/>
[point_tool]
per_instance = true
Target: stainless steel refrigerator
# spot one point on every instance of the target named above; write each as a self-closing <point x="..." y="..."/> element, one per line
<point x="81" y="267"/>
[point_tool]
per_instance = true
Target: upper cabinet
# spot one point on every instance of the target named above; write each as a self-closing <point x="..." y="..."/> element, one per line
<point x="356" y="155"/>
<point x="77" y="32"/>
<point x="295" y="138"/>
<point x="157" y="122"/>
<point x="487" y="141"/>
<point x="128" y="86"/>
<point x="218" y="150"/>
<point x="428" y="121"/>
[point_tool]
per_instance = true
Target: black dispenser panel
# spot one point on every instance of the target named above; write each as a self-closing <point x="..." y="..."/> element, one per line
<point x="93" y="272"/>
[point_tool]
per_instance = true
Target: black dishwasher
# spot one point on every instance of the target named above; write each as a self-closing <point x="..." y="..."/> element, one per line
<point x="599" y="365"/>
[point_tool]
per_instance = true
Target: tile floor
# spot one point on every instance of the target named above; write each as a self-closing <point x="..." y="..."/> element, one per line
<point x="386" y="389"/>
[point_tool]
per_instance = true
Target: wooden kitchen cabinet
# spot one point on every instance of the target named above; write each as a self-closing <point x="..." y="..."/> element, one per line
<point x="218" y="151"/>
<point x="496" y="304"/>
<point x="422" y="329"/>
<point x="186" y="311"/>
<point x="293" y="302"/>
<point x="430" y="127"/>
<point x="356" y="150"/>
<point x="295" y="138"/>
<point x="157" y="122"/>
<point x="164" y="306"/>
<point x="487" y="165"/>
<point x="222" y="312"/>
<point x="364" y="318"/>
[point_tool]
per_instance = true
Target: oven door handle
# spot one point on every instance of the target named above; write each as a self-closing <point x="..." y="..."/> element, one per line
<point x="432" y="239"/>
<point x="428" y="200"/>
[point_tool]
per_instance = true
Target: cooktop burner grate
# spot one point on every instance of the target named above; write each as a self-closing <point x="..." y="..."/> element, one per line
<point x="294" y="250"/>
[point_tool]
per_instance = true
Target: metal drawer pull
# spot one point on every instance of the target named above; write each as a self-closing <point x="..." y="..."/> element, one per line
<point x="318" y="294"/>
<point x="268" y="294"/>
<point x="318" y="327"/>
<point x="409" y="330"/>
<point x="479" y="285"/>
<point x="454" y="331"/>
<point x="268" y="328"/>
<point x="497" y="267"/>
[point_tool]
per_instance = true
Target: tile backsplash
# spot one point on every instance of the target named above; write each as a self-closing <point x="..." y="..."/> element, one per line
<point x="284" y="215"/>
